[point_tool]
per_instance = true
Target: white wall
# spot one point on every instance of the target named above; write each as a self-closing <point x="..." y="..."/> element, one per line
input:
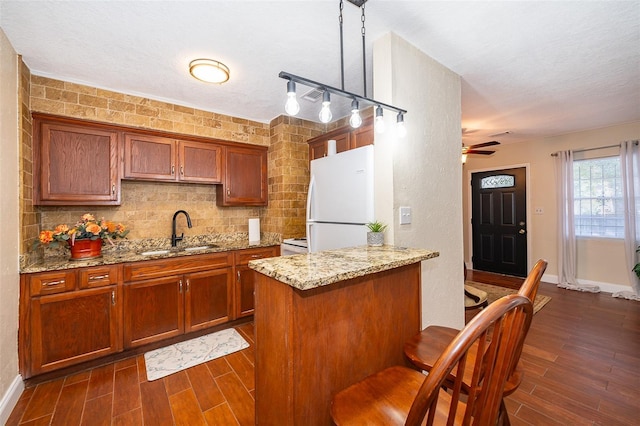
<point x="599" y="261"/>
<point x="10" y="383"/>
<point x="422" y="170"/>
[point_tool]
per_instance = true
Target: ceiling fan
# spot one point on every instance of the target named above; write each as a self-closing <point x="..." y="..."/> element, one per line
<point x="473" y="149"/>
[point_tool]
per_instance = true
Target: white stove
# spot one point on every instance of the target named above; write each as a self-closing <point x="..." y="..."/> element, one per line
<point x="292" y="246"/>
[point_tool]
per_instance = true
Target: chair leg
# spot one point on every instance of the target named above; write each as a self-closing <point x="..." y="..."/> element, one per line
<point x="503" y="416"/>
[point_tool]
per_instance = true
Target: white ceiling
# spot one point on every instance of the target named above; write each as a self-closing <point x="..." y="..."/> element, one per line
<point x="534" y="68"/>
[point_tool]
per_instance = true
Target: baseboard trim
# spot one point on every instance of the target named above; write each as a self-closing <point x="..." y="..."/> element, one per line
<point x="604" y="287"/>
<point x="10" y="399"/>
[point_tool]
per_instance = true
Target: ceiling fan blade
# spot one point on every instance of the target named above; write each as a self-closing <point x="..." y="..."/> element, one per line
<point x="479" y="151"/>
<point x="482" y="145"/>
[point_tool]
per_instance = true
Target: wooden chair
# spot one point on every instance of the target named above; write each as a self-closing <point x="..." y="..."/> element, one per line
<point x="400" y="395"/>
<point x="424" y="348"/>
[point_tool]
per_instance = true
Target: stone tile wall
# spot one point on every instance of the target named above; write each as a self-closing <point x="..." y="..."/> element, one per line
<point x="147" y="207"/>
<point x="29" y="215"/>
<point x="289" y="174"/>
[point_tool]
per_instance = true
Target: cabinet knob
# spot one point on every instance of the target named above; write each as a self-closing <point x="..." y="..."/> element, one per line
<point x="113" y="189"/>
<point x="180" y="286"/>
<point x="113" y="297"/>
<point x="182" y="170"/>
<point x="228" y="191"/>
<point x="52" y="283"/>
<point x="238" y="274"/>
<point x="188" y="285"/>
<point x="173" y="169"/>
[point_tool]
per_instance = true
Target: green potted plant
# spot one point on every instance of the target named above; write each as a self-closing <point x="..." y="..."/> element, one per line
<point x="375" y="236"/>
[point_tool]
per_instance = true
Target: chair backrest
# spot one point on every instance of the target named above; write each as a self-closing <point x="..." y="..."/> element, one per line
<point x="498" y="332"/>
<point x="529" y="287"/>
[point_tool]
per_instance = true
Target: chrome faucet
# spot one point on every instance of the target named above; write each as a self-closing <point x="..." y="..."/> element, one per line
<point x="174" y="237"/>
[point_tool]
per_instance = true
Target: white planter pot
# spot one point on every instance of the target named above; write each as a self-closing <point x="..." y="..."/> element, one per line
<point x="375" y="238"/>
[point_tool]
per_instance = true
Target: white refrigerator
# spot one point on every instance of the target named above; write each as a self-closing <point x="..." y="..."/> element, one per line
<point x="340" y="199"/>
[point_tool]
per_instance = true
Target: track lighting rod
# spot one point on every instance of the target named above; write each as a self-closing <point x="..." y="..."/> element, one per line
<point x="336" y="91"/>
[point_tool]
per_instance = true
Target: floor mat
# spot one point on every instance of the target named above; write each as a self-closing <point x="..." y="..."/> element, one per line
<point x="180" y="356"/>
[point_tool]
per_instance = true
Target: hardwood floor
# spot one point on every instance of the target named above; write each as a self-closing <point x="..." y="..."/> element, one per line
<point x="581" y="362"/>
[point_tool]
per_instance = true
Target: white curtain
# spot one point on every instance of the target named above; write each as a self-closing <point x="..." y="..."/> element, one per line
<point x="630" y="170"/>
<point x="566" y="227"/>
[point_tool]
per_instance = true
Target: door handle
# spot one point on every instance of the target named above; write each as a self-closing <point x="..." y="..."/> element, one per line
<point x="522" y="231"/>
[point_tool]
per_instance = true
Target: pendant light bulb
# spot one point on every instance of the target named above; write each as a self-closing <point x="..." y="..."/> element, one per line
<point x="355" y="120"/>
<point x="292" y="107"/>
<point x="325" y="113"/>
<point x="379" y="121"/>
<point x="400" y="129"/>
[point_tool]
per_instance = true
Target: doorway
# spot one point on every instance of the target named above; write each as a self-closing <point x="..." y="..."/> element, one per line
<point x="498" y="221"/>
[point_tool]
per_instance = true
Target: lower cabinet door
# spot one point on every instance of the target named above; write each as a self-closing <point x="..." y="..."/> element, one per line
<point x="244" y="291"/>
<point x="74" y="327"/>
<point x="207" y="298"/>
<point x="153" y="310"/>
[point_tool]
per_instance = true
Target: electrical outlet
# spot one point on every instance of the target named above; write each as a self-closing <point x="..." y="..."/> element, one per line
<point x="538" y="210"/>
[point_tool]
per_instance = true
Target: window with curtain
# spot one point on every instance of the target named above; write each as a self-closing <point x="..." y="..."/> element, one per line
<point x="598" y="198"/>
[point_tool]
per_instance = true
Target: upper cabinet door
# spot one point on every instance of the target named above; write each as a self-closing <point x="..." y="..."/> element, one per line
<point x="245" y="182"/>
<point x="158" y="158"/>
<point x="363" y="135"/>
<point x="149" y="157"/>
<point x="75" y="164"/>
<point x="200" y="162"/>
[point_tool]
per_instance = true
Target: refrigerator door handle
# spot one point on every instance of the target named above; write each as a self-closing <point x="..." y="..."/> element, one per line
<point x="312" y="185"/>
<point x="309" y="239"/>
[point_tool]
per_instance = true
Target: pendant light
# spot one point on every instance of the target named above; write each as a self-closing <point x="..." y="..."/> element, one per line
<point x="292" y="107"/>
<point x="379" y="120"/>
<point x="401" y="131"/>
<point x="325" y="113"/>
<point x="355" y="120"/>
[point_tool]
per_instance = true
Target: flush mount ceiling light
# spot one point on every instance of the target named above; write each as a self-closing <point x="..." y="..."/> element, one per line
<point x="292" y="107"/>
<point x="209" y="71"/>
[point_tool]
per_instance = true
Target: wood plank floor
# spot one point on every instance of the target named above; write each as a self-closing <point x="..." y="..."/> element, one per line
<point x="581" y="362"/>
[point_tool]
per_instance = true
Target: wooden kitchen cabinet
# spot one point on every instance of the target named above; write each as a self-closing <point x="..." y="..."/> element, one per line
<point x="245" y="177"/>
<point x="346" y="138"/>
<point x="245" y="280"/>
<point x="154" y="310"/>
<point x="318" y="147"/>
<point x="169" y="297"/>
<point x="75" y="162"/>
<point x="68" y="317"/>
<point x="208" y="298"/>
<point x="157" y="158"/>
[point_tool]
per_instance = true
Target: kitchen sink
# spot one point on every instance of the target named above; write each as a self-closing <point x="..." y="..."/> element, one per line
<point x="196" y="248"/>
<point x="154" y="252"/>
<point x="159" y="252"/>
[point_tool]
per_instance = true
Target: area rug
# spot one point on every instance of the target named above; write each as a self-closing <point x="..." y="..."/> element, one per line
<point x="180" y="356"/>
<point x="496" y="292"/>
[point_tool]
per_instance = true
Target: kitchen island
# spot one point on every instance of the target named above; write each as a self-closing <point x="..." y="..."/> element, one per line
<point x="326" y="320"/>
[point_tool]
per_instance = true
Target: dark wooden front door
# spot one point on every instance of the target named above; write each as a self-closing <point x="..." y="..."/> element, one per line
<point x="499" y="212"/>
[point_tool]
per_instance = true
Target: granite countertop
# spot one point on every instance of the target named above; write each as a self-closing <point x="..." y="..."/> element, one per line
<point x="130" y="251"/>
<point x="307" y="271"/>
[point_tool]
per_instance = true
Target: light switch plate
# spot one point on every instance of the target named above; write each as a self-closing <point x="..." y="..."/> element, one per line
<point x="405" y="215"/>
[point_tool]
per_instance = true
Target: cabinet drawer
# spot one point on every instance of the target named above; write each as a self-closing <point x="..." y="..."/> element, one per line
<point x="52" y="282"/>
<point x="176" y="266"/>
<point x="98" y="276"/>
<point x="245" y="256"/>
